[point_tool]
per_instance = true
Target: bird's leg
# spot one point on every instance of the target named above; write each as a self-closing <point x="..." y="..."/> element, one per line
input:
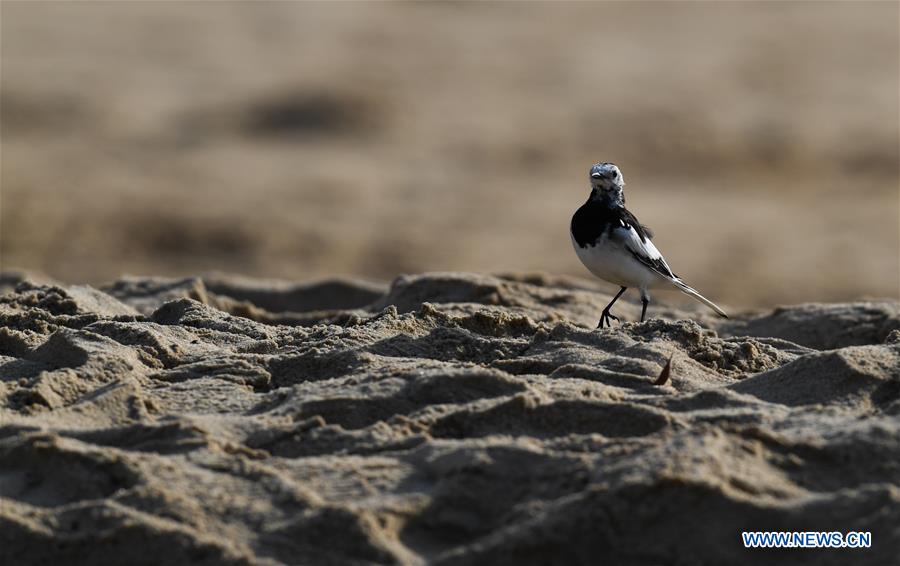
<point x="644" y="301"/>
<point x="605" y="316"/>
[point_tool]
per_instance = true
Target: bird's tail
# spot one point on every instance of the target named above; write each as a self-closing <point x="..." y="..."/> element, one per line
<point x="687" y="290"/>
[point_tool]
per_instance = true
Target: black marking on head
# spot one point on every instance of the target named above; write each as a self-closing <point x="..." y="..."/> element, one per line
<point x="604" y="170"/>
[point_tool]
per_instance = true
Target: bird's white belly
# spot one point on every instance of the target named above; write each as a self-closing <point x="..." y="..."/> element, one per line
<point x="615" y="264"/>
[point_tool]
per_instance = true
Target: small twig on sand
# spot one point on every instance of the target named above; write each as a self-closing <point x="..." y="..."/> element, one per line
<point x="664" y="374"/>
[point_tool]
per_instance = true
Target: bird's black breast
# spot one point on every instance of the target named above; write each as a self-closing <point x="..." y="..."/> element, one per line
<point x="594" y="218"/>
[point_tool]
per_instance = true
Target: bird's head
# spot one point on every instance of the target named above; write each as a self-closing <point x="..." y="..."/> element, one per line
<point x="607" y="184"/>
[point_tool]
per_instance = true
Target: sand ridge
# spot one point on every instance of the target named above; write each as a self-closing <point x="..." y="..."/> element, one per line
<point x="450" y="418"/>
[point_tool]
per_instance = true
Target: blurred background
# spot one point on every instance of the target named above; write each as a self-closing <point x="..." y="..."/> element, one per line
<point x="305" y="140"/>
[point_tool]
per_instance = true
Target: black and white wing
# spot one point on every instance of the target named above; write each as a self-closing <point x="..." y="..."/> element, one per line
<point x="636" y="239"/>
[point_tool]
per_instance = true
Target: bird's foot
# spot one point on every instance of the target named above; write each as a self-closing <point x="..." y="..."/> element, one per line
<point x="605" y="318"/>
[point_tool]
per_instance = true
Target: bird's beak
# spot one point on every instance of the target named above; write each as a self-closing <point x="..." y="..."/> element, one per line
<point x="596" y="176"/>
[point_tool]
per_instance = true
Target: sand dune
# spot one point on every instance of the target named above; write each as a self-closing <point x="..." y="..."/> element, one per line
<point x="447" y="419"/>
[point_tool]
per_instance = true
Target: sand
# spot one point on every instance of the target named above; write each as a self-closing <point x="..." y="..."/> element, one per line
<point x="449" y="418"/>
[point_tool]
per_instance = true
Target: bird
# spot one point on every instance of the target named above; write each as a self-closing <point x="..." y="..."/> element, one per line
<point x="613" y="245"/>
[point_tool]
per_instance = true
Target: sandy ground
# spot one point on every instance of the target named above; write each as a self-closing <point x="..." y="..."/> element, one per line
<point x="303" y="140"/>
<point x="448" y="419"/>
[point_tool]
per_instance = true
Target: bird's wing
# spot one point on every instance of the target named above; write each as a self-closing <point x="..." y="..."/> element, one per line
<point x="634" y="238"/>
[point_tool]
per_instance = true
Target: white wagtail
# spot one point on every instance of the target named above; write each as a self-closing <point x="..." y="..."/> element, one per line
<point x="615" y="247"/>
